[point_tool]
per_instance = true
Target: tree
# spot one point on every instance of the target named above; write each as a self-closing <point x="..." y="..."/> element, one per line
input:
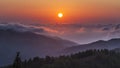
<point x="17" y="62"/>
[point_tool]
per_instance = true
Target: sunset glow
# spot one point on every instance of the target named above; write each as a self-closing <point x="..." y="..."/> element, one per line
<point x="75" y="11"/>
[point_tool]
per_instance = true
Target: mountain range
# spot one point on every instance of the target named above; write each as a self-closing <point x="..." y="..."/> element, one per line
<point x="29" y="44"/>
<point x="101" y="44"/>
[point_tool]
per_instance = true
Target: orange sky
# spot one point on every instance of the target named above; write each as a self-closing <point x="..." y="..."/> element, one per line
<point x="73" y="10"/>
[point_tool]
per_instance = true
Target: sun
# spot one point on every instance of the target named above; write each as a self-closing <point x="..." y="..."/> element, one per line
<point x="60" y="15"/>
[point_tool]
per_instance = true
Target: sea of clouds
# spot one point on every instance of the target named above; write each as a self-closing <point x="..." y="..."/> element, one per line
<point x="76" y="32"/>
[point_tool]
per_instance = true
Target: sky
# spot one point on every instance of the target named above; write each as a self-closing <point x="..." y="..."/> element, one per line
<point x="83" y="21"/>
<point x="44" y="11"/>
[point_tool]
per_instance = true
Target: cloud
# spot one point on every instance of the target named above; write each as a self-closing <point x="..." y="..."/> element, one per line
<point x="117" y="27"/>
<point x="75" y="32"/>
<point x="19" y="27"/>
<point x="89" y="32"/>
<point x="24" y="28"/>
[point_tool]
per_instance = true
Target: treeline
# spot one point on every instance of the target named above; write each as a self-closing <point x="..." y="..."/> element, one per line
<point x="86" y="59"/>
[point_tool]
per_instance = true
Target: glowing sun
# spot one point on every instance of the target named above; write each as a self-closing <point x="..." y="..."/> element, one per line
<point x="60" y="15"/>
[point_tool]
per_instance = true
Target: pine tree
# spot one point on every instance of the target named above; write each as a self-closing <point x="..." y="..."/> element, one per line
<point x="17" y="62"/>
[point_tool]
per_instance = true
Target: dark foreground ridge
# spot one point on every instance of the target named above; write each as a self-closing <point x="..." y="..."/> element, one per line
<point x="87" y="59"/>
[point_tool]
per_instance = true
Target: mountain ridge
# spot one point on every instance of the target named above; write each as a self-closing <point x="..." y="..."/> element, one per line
<point x="29" y="43"/>
<point x="100" y="44"/>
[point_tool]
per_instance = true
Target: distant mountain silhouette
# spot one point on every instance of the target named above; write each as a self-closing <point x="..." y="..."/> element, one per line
<point x="29" y="44"/>
<point x="110" y="44"/>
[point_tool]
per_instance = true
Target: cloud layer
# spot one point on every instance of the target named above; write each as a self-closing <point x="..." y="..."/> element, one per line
<point x="75" y="32"/>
